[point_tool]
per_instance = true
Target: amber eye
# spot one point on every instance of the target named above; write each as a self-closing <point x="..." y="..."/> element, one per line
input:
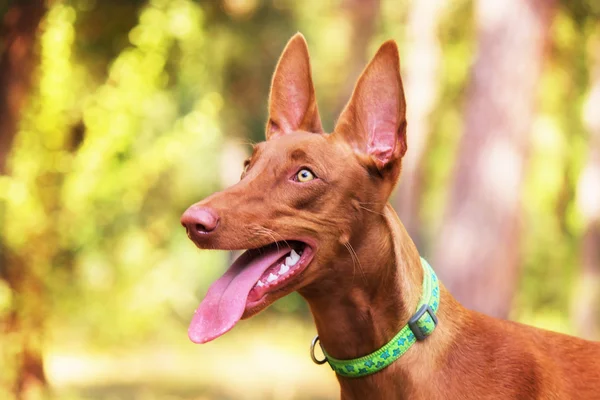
<point x="305" y="175"/>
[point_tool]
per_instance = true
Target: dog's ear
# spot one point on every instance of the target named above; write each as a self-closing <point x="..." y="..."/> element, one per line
<point x="292" y="102"/>
<point x="374" y="120"/>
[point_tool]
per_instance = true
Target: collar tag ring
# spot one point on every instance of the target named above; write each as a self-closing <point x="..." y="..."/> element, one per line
<point x="312" y="351"/>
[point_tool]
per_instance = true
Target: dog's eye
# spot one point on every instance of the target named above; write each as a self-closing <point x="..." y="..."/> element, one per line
<point x="305" y="175"/>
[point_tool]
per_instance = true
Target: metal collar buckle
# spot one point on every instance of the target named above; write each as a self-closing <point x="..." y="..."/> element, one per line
<point x="412" y="323"/>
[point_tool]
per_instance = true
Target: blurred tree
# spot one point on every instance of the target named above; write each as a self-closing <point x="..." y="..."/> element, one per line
<point x="553" y="226"/>
<point x="18" y="31"/>
<point x="18" y="56"/>
<point x="422" y="85"/>
<point x="247" y="37"/>
<point x="586" y="310"/>
<point x="38" y="256"/>
<point x="478" y="248"/>
<point x="362" y="16"/>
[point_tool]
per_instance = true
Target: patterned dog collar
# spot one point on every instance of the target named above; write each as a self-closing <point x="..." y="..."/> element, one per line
<point x="418" y="328"/>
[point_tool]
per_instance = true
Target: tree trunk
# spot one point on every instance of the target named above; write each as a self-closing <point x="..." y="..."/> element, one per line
<point x="25" y="326"/>
<point x="18" y="34"/>
<point x="586" y="310"/>
<point x="362" y="15"/>
<point x="422" y="84"/>
<point x="477" y="253"/>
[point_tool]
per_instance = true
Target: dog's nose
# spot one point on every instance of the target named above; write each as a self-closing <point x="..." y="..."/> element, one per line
<point x="199" y="220"/>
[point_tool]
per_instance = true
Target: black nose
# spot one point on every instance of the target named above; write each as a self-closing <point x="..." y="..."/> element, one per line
<point x="199" y="220"/>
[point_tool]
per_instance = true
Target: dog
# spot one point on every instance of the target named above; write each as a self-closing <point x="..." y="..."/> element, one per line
<point x="312" y="211"/>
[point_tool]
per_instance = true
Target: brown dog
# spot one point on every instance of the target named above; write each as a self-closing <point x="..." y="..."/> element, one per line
<point x="313" y="206"/>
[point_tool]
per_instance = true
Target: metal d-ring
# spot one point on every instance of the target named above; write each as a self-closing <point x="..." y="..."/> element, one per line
<point x="312" y="351"/>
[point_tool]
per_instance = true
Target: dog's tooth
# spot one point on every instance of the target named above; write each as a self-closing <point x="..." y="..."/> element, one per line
<point x="294" y="256"/>
<point x="271" y="278"/>
<point x="292" y="259"/>
<point x="288" y="261"/>
<point x="260" y="284"/>
<point x="283" y="269"/>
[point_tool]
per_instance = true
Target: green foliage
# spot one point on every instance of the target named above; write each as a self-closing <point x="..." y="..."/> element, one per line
<point x="93" y="167"/>
<point x="553" y="225"/>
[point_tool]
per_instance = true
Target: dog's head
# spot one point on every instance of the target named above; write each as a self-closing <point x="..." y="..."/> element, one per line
<point x="304" y="195"/>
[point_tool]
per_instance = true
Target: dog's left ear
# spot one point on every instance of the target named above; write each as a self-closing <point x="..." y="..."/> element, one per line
<point x="374" y="120"/>
<point x="292" y="102"/>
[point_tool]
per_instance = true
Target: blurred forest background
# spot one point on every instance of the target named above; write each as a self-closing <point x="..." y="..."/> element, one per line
<point x="117" y="115"/>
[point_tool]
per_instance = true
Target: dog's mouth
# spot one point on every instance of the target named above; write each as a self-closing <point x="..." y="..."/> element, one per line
<point x="252" y="282"/>
<point x="280" y="274"/>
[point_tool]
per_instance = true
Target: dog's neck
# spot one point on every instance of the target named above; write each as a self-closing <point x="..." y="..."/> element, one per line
<point x="361" y="313"/>
<point x="377" y="295"/>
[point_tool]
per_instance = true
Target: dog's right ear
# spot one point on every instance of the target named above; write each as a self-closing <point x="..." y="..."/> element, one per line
<point x="292" y="102"/>
<point x="374" y="120"/>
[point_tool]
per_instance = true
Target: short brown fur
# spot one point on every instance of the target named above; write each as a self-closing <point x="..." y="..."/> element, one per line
<point x="360" y="301"/>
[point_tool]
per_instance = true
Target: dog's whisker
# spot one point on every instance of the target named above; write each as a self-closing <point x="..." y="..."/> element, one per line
<point x="280" y="236"/>
<point x="270" y="234"/>
<point x="353" y="262"/>
<point x="244" y="142"/>
<point x="372" y="211"/>
<point x="362" y="271"/>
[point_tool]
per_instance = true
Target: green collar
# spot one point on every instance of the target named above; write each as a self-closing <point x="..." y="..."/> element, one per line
<point x="420" y="325"/>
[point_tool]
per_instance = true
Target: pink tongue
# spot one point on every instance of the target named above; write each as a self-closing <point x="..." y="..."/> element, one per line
<point x="225" y="301"/>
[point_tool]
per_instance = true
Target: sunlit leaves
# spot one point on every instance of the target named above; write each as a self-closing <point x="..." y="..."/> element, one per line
<point x="39" y="148"/>
<point x="99" y="171"/>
